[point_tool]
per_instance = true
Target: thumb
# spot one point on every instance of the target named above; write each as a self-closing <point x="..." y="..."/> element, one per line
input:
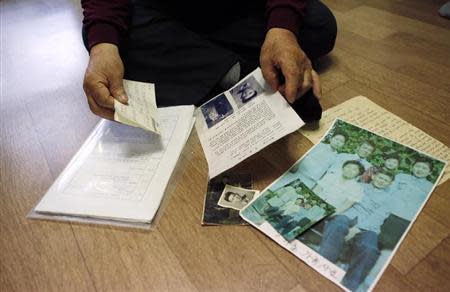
<point x="117" y="90"/>
<point x="317" y="89"/>
<point x="270" y="73"/>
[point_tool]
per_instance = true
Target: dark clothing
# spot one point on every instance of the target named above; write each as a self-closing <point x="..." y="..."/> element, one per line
<point x="187" y="55"/>
<point x="107" y="21"/>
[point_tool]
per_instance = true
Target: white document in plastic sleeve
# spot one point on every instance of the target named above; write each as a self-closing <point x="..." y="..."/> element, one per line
<point x="120" y="172"/>
<point x="241" y="121"/>
<point x="141" y="110"/>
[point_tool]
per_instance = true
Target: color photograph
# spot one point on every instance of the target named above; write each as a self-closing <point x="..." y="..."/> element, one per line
<point x="291" y="209"/>
<point x="376" y="186"/>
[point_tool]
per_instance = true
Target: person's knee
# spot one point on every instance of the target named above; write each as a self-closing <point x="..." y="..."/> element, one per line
<point x="330" y="34"/>
<point x="318" y="34"/>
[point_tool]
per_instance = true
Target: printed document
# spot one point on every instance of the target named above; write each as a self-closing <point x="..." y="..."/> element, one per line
<point x="121" y="172"/>
<point x="241" y="121"/>
<point x="141" y="109"/>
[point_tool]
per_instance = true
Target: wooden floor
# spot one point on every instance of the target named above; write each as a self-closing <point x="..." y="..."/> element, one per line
<point x="396" y="52"/>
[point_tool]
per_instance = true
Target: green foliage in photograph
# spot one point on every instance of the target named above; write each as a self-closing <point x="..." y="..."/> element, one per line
<point x="383" y="149"/>
<point x="313" y="199"/>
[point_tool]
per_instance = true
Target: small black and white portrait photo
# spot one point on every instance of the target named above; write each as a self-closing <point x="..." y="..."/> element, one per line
<point x="216" y="110"/>
<point x="245" y="91"/>
<point x="235" y="198"/>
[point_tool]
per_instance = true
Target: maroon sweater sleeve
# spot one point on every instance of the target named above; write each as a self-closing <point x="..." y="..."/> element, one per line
<point x="105" y="21"/>
<point x="285" y="14"/>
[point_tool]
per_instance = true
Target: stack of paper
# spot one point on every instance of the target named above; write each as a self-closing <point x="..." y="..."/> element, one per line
<point x="121" y="172"/>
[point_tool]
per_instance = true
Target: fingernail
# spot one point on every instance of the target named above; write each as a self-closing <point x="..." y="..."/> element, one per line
<point x="124" y="99"/>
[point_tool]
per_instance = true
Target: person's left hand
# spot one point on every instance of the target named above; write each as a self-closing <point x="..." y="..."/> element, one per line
<point x="281" y="54"/>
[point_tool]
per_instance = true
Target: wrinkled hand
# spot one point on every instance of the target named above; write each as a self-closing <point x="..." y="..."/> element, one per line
<point x="103" y="80"/>
<point x="281" y="54"/>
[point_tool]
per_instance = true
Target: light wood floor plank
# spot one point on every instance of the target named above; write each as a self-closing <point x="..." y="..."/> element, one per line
<point x="216" y="258"/>
<point x="36" y="256"/>
<point x="432" y="273"/>
<point x="130" y="260"/>
<point x="405" y="89"/>
<point x="414" y="27"/>
<point x="392" y="280"/>
<point x="424" y="11"/>
<point x="357" y="25"/>
<point x="425" y="234"/>
<point x="439" y="204"/>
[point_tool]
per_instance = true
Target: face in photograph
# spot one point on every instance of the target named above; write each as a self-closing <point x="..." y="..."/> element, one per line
<point x="235" y="198"/>
<point x="421" y="169"/>
<point x="365" y="149"/>
<point x="216" y="110"/>
<point x="337" y="141"/>
<point x="391" y="163"/>
<point x="382" y="180"/>
<point x="352" y="169"/>
<point x="246" y="91"/>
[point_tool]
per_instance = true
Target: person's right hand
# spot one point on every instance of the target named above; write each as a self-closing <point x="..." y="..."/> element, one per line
<point x="281" y="54"/>
<point x="103" y="80"/>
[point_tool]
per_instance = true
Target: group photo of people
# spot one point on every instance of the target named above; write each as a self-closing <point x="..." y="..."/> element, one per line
<point x="292" y="209"/>
<point x="375" y="186"/>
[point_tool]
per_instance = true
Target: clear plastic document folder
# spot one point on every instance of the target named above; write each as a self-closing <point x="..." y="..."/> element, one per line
<point x="120" y="174"/>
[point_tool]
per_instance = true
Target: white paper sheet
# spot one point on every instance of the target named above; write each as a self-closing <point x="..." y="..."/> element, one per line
<point x="141" y="109"/>
<point x="241" y="121"/>
<point x="121" y="172"/>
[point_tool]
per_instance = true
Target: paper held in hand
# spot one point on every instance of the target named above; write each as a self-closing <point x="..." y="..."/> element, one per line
<point x="241" y="121"/>
<point x="141" y="109"/>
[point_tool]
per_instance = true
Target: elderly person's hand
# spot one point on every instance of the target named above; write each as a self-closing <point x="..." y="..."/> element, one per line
<point x="281" y="54"/>
<point x="103" y="80"/>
